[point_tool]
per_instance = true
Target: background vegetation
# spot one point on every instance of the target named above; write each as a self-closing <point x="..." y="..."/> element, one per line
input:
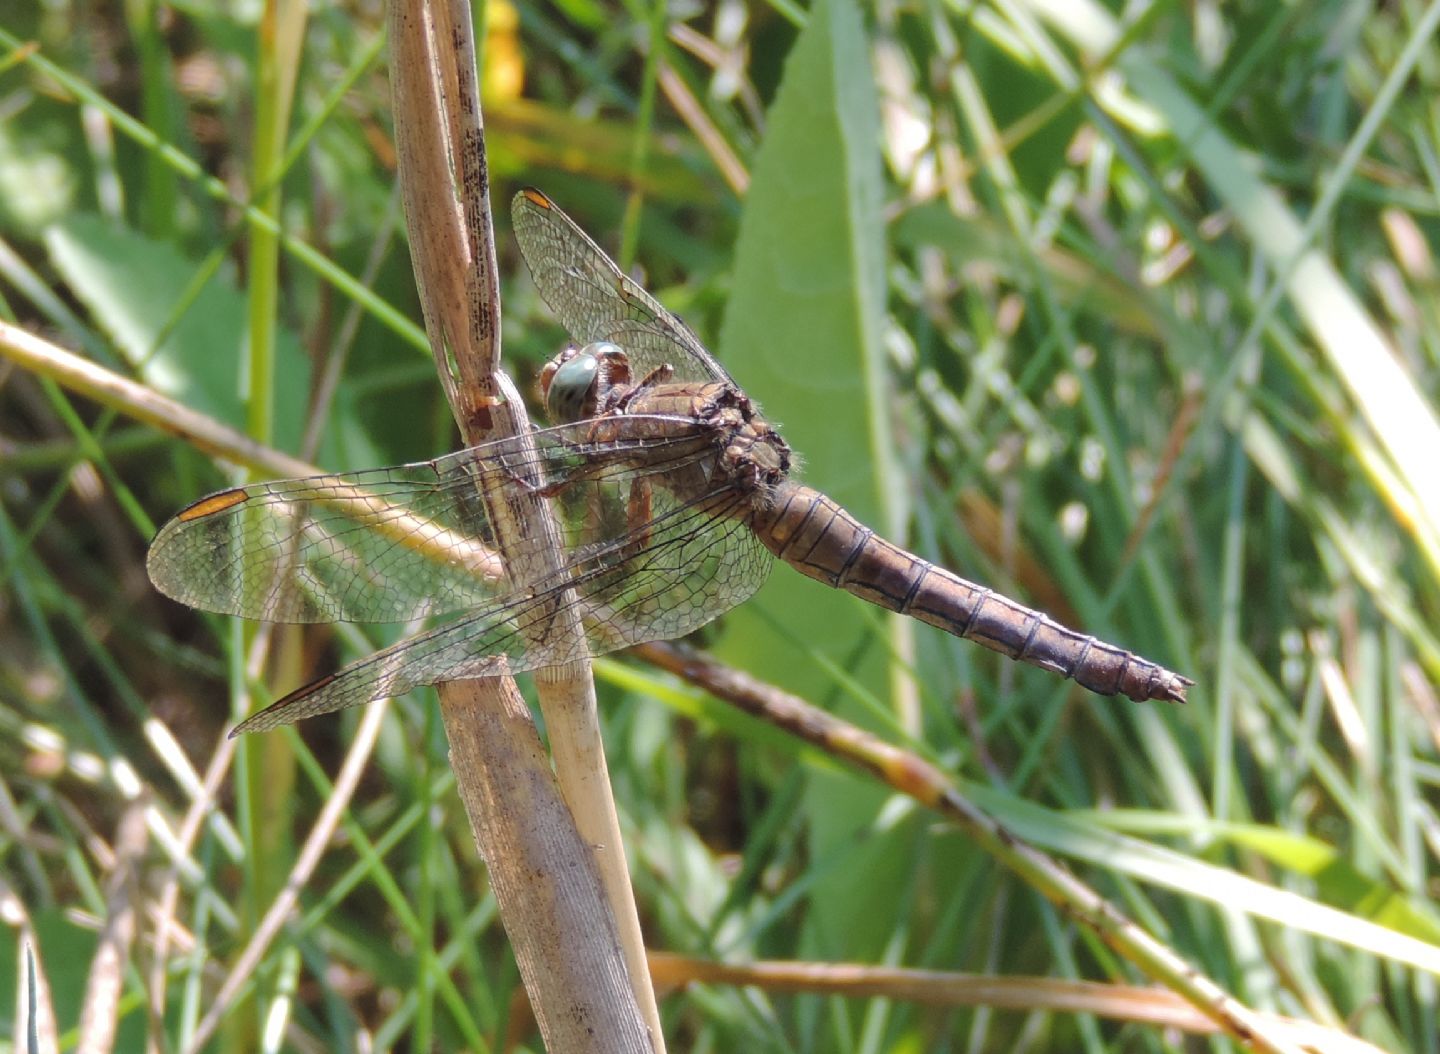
<point x="1127" y="312"/>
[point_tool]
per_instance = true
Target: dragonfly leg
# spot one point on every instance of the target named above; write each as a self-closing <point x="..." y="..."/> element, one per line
<point x="624" y="397"/>
<point x="638" y="514"/>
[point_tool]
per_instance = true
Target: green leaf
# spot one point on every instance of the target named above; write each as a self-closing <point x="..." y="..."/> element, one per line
<point x="1339" y="882"/>
<point x="802" y="329"/>
<point x="1076" y="280"/>
<point x="803" y="333"/>
<point x="194" y="352"/>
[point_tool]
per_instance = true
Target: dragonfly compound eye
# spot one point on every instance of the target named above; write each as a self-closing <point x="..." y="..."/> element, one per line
<point x="572" y="387"/>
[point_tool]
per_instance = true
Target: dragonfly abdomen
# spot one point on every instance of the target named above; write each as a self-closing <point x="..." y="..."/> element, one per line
<point x="820" y="539"/>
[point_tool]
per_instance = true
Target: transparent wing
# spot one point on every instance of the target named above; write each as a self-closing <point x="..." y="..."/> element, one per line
<point x="595" y="301"/>
<point x="394" y="544"/>
<point x="687" y="563"/>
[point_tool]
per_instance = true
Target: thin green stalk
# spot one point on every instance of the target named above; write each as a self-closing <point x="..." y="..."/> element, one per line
<point x="644" y="125"/>
<point x="403" y="327"/>
<point x="161" y="200"/>
<point x="265" y="770"/>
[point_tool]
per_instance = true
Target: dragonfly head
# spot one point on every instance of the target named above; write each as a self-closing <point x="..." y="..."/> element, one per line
<point x="573" y="384"/>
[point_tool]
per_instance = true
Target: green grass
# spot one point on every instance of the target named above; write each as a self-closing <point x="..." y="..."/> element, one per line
<point x="1134" y="321"/>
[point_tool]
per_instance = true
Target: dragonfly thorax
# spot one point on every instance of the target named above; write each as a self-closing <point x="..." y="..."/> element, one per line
<point x="753" y="458"/>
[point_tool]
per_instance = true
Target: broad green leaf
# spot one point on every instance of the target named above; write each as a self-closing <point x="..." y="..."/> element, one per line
<point x="1339" y="882"/>
<point x="1350" y="908"/>
<point x="194" y="352"/>
<point x="802" y="329"/>
<point x="803" y="334"/>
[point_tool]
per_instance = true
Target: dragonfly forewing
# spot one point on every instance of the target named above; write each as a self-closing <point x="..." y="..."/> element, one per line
<point x="381" y="546"/>
<point x="396" y="544"/>
<point x="691" y="561"/>
<point x="595" y="301"/>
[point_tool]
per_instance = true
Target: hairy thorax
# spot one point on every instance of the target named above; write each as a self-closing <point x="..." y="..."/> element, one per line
<point x="752" y="457"/>
<point x="745" y="454"/>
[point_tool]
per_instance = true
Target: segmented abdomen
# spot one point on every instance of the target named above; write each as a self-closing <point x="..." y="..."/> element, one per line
<point x="820" y="539"/>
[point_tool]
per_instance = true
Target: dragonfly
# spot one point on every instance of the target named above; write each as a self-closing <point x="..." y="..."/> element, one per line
<point x="672" y="498"/>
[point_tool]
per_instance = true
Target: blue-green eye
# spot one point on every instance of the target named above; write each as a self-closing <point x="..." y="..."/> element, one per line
<point x="570" y="387"/>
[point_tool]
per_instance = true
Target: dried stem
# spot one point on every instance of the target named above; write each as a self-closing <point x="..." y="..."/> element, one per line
<point x="561" y="884"/>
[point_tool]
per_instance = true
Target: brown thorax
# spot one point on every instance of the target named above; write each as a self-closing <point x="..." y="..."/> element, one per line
<point x="596" y="382"/>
